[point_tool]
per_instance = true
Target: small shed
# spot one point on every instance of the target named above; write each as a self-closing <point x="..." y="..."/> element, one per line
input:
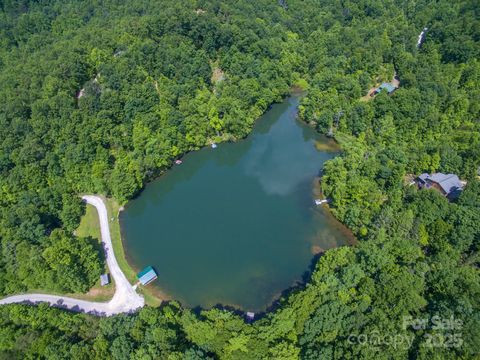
<point x="147" y="275"/>
<point x="104" y="279"/>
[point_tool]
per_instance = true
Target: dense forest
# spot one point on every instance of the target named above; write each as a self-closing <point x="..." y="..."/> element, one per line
<point x="102" y="96"/>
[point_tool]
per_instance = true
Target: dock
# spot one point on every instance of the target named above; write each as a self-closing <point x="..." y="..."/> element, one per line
<point x="147" y="275"/>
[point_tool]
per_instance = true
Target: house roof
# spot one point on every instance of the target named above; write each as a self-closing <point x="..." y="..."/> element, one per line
<point x="424" y="177"/>
<point x="387" y="86"/>
<point x="448" y="182"/>
<point x="104" y="280"/>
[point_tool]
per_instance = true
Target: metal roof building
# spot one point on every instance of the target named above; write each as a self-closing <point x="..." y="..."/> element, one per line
<point x="449" y="184"/>
<point x="387" y="86"/>
<point x="104" y="279"/>
<point x="147" y="275"/>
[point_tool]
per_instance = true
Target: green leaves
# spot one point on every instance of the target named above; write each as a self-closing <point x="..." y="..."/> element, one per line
<point x="154" y="100"/>
<point x="73" y="263"/>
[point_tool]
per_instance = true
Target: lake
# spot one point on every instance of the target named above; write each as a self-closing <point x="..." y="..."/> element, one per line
<point x="236" y="225"/>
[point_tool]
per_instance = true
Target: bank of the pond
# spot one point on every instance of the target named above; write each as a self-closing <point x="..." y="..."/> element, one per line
<point x="152" y="297"/>
<point x="245" y="206"/>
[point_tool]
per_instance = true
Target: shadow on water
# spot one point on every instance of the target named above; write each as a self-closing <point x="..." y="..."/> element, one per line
<point x="229" y="154"/>
<point x="277" y="302"/>
<point x="199" y="216"/>
<point x="283" y="296"/>
<point x="177" y="175"/>
<point x="198" y="158"/>
<point x="266" y="121"/>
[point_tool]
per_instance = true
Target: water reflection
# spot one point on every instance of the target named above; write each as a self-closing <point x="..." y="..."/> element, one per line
<point x="235" y="225"/>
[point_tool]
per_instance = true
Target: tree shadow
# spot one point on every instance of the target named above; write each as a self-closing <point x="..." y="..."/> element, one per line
<point x="279" y="302"/>
<point x="101" y="249"/>
<point x="295" y="288"/>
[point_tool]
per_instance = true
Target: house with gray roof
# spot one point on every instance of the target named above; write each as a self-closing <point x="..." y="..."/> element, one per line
<point x="448" y="184"/>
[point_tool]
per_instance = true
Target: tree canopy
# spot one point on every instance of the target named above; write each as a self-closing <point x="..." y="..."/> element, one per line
<point x="103" y="97"/>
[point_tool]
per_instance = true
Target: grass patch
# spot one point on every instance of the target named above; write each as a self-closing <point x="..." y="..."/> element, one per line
<point x="90" y="228"/>
<point x="89" y="225"/>
<point x="96" y="293"/>
<point x="113" y="209"/>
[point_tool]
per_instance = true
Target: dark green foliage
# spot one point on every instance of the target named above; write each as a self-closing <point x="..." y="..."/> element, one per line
<point x="149" y="96"/>
<point x="101" y="101"/>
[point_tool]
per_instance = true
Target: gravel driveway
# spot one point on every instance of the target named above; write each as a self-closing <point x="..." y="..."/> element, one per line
<point x="124" y="300"/>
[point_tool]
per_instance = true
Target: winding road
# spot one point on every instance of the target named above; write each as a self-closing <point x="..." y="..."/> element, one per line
<point x="125" y="299"/>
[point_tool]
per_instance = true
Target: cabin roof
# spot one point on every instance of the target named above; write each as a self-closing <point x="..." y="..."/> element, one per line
<point x="448" y="182"/>
<point x="387" y="86"/>
<point x="424" y="177"/>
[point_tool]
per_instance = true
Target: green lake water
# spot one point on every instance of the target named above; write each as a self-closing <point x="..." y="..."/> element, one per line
<point x="236" y="225"/>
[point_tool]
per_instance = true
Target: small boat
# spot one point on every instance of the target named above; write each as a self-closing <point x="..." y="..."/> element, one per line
<point x="320" y="201"/>
<point x="214" y="146"/>
<point x="178" y="162"/>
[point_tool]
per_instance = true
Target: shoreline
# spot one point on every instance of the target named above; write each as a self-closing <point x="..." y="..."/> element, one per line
<point x="155" y="296"/>
<point x="160" y="295"/>
<point x="152" y="298"/>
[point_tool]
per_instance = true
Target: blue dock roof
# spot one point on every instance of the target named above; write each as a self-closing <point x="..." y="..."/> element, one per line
<point x="147" y="275"/>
